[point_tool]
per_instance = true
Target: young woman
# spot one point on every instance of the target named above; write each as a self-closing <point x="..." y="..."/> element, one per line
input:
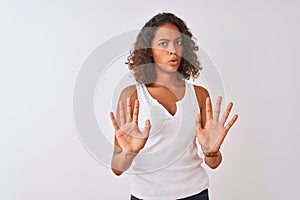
<point x="164" y="154"/>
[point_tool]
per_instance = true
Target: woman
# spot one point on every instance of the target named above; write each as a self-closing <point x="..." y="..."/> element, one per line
<point x="164" y="154"/>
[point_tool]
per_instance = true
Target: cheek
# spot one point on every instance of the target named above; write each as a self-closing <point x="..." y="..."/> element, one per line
<point x="180" y="51"/>
<point x="158" y="54"/>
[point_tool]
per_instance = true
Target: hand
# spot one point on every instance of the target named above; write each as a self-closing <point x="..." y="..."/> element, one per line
<point x="128" y="135"/>
<point x="212" y="135"/>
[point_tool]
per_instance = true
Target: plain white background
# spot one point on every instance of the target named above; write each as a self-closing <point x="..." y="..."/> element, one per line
<point x="43" y="44"/>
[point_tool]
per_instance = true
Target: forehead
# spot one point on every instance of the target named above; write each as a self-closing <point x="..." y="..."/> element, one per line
<point x="167" y="31"/>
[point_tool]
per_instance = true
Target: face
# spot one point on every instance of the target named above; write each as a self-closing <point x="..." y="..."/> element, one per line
<point x="167" y="47"/>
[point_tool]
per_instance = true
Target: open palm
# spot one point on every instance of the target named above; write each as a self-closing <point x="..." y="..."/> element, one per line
<point x="128" y="134"/>
<point x="212" y="135"/>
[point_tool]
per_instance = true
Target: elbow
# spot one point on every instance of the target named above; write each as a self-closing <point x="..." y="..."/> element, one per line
<point x="116" y="172"/>
<point x="214" y="166"/>
<point x="214" y="162"/>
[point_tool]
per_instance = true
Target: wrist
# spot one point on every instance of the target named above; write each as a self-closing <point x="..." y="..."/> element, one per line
<point x="129" y="153"/>
<point x="211" y="154"/>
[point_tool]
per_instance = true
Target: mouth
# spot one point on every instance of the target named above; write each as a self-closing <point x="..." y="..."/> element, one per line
<point x="173" y="61"/>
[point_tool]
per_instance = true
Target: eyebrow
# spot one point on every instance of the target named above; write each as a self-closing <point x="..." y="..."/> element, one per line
<point x="163" y="39"/>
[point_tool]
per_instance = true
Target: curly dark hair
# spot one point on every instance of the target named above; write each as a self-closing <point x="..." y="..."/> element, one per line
<point x="141" y="62"/>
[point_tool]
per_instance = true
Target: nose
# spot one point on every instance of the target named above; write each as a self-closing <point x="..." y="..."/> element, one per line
<point x="172" y="49"/>
<point x="171" y="52"/>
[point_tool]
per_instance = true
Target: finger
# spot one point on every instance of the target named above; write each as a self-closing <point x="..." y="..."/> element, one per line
<point x="226" y="114"/>
<point x="217" y="109"/>
<point x="226" y="130"/>
<point x="147" y="128"/>
<point x="135" y="112"/>
<point x="218" y="144"/>
<point x="128" y="114"/>
<point x="122" y="115"/>
<point x="114" y="122"/>
<point x="198" y="122"/>
<point x="208" y="108"/>
<point x="231" y="122"/>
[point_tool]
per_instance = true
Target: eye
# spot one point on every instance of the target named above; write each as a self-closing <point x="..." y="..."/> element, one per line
<point x="179" y="42"/>
<point x="162" y="44"/>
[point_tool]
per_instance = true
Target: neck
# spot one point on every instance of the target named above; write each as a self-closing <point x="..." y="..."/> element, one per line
<point x="169" y="80"/>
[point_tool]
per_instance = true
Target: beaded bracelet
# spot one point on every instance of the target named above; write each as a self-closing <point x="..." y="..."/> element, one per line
<point x="211" y="154"/>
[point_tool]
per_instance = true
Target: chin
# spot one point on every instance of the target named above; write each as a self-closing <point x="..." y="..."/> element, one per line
<point x="168" y="68"/>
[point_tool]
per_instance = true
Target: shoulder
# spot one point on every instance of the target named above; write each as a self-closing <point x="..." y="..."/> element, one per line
<point x="129" y="92"/>
<point x="201" y="94"/>
<point x="201" y="91"/>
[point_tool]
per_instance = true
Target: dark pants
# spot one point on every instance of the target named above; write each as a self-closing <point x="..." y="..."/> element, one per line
<point x="200" y="196"/>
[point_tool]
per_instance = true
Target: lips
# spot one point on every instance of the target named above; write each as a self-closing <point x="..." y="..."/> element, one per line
<point x="173" y="61"/>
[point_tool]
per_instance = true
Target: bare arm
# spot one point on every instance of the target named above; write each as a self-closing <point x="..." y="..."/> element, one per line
<point x="210" y="131"/>
<point x="121" y="160"/>
<point x="129" y="140"/>
<point x="212" y="161"/>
